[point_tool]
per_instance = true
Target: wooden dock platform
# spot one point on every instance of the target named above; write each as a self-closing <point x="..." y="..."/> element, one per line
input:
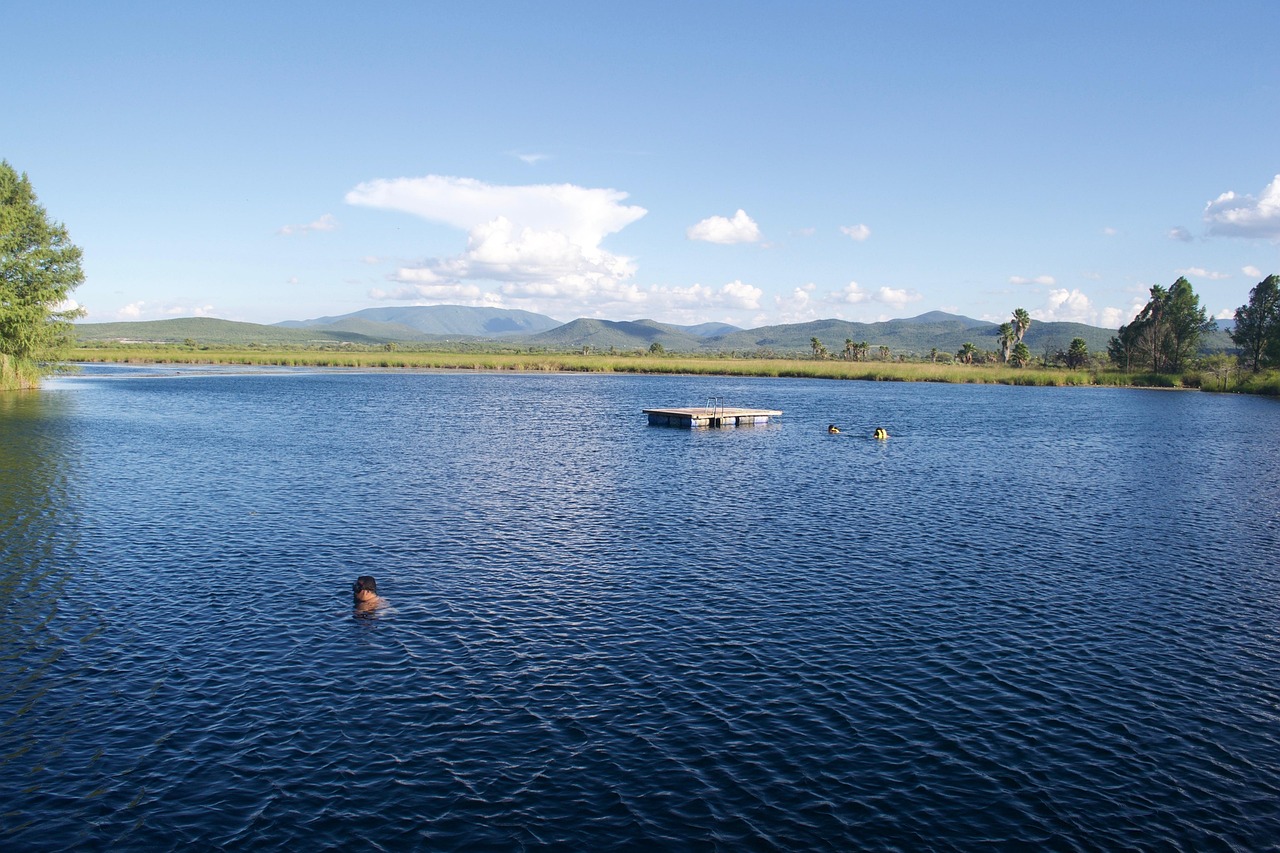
<point x="709" y="416"/>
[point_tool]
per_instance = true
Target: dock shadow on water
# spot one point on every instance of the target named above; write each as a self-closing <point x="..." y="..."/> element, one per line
<point x="1033" y="618"/>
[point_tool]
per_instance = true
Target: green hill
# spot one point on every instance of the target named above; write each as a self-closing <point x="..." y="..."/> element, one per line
<point x="914" y="336"/>
<point x="615" y="334"/>
<point x="208" y="330"/>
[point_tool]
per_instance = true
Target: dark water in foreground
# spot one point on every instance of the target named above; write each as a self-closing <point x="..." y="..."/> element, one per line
<point x="1035" y="618"/>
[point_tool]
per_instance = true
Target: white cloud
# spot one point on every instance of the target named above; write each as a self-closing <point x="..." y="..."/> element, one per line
<point x="1251" y="271"/>
<point x="734" y="296"/>
<point x="1109" y="231"/>
<point x="1231" y="215"/>
<point x="452" y="292"/>
<point x="531" y="159"/>
<point x="852" y="294"/>
<point x="324" y="223"/>
<point x="1046" y="280"/>
<point x="896" y="298"/>
<point x="857" y="233"/>
<point x="143" y="310"/>
<point x="1182" y="235"/>
<point x="797" y="306"/>
<point x="1200" y="272"/>
<point x="1114" y="318"/>
<point x="1069" y="306"/>
<point x="542" y="239"/>
<point x="717" y="229"/>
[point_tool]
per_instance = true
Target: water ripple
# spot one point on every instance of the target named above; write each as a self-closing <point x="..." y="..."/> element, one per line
<point x="601" y="634"/>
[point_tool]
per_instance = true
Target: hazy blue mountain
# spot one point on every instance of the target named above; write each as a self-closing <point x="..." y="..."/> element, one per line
<point x="435" y="321"/>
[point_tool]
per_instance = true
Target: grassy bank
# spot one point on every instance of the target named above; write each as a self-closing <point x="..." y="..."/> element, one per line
<point x="668" y="364"/>
<point x="18" y="374"/>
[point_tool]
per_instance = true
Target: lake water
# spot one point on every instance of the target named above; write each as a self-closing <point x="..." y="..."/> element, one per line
<point x="1033" y="618"/>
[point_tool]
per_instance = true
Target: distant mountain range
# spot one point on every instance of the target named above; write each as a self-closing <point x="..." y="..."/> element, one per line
<point x="460" y="325"/>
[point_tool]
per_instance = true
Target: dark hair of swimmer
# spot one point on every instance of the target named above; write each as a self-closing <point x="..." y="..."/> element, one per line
<point x="364" y="588"/>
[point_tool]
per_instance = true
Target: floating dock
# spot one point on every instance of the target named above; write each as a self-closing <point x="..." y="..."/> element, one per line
<point x="709" y="416"/>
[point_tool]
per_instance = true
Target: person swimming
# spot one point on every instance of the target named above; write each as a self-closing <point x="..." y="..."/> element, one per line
<point x="833" y="429"/>
<point x="880" y="434"/>
<point x="365" y="593"/>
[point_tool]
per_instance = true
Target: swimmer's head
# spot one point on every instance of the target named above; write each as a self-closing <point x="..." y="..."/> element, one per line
<point x="365" y="588"/>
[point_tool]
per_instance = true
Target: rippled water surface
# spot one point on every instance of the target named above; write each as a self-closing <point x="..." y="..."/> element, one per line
<point x="1034" y="618"/>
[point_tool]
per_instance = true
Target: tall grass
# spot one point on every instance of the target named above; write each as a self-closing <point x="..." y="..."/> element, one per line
<point x="17" y="374"/>
<point x="876" y="371"/>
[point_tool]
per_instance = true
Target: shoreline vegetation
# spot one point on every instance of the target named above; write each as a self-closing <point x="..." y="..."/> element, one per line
<point x="1219" y="375"/>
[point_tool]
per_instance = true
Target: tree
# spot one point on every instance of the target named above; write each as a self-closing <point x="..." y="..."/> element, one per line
<point x="1020" y="355"/>
<point x="1077" y="353"/>
<point x="1007" y="337"/>
<point x="1124" y="348"/>
<point x="656" y="348"/>
<point x="884" y="353"/>
<point x="1257" y="329"/>
<point x="967" y="352"/>
<point x="1185" y="322"/>
<point x="39" y="267"/>
<point x="1021" y="322"/>
<point x="819" y="349"/>
<point x="1166" y="333"/>
<point x="850" y="350"/>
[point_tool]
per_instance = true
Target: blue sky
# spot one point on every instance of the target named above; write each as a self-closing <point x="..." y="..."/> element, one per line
<point x="754" y="163"/>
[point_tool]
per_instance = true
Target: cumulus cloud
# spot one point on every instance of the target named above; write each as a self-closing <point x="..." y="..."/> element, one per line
<point x="1231" y="215"/>
<point x="324" y="223"/>
<point x="1046" y="280"/>
<point x="1251" y="271"/>
<point x="1180" y="234"/>
<point x="143" y="310"/>
<point x="1066" y="306"/>
<point x="895" y="298"/>
<point x="734" y="296"/>
<point x="1201" y="272"/>
<point x="797" y="306"/>
<point x="857" y="233"/>
<point x="717" y="229"/>
<point x="540" y="238"/>
<point x="852" y="294"/>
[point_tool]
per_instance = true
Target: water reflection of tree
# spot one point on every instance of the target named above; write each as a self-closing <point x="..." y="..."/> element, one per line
<point x="43" y="624"/>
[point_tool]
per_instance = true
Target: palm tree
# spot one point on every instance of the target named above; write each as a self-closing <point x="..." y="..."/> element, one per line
<point x="966" y="353"/>
<point x="819" y="351"/>
<point x="1007" y="338"/>
<point x="1021" y="322"/>
<point x="850" y="350"/>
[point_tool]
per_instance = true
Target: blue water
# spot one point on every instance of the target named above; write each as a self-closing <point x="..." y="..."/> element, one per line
<point x="1032" y="619"/>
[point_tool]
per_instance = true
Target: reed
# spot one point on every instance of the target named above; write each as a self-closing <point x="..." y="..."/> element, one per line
<point x="874" y="371"/>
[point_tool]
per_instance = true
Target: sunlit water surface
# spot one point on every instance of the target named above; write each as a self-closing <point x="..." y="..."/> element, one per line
<point x="1033" y="618"/>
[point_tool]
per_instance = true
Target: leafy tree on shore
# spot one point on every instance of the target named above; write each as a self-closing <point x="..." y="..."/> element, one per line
<point x="1257" y="329"/>
<point x="1020" y="355"/>
<point x="967" y="352"/>
<point x="1165" y="334"/>
<point x="1077" y="353"/>
<point x="39" y="267"/>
